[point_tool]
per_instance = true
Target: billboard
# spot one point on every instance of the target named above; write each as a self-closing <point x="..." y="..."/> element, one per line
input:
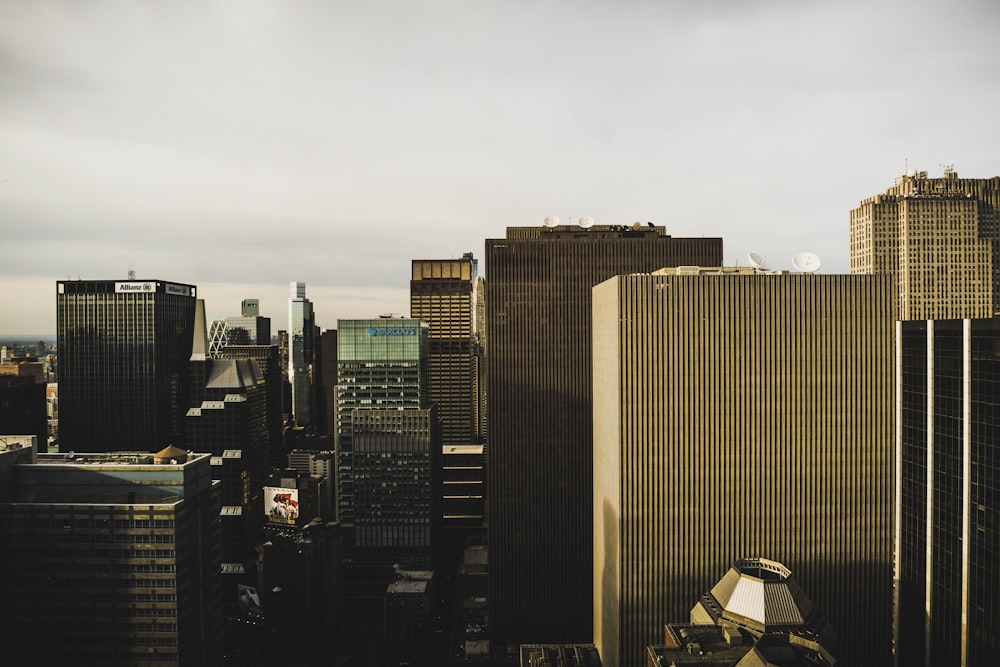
<point x="281" y="506"/>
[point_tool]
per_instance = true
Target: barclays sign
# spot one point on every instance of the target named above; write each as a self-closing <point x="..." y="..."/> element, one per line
<point x="406" y="331"/>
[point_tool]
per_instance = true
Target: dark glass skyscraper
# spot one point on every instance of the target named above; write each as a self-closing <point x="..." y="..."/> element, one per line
<point x="382" y="365"/>
<point x="539" y="384"/>
<point x="301" y="350"/>
<point x="124" y="348"/>
<point x="948" y="503"/>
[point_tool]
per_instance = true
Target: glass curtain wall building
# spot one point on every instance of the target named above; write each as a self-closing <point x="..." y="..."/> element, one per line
<point x="124" y="348"/>
<point x="301" y="342"/>
<point x="948" y="499"/>
<point x="381" y="365"/>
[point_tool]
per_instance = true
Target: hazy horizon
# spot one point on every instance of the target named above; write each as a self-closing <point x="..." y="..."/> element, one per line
<point x="243" y="146"/>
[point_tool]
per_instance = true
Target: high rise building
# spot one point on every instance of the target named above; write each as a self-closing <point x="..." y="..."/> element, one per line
<point x="124" y="348"/>
<point x="539" y="385"/>
<point x="396" y="461"/>
<point x="948" y="507"/>
<point x="441" y="295"/>
<point x="747" y="414"/>
<point x="479" y="356"/>
<point x="939" y="238"/>
<point x="116" y="558"/>
<point x="301" y="348"/>
<point x="382" y="365"/>
<point x="227" y="417"/>
<point x="250" y="328"/>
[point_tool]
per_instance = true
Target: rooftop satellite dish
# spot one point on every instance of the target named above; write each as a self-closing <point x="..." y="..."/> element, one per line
<point x="586" y="222"/>
<point x="551" y="221"/>
<point x="806" y="262"/>
<point x="758" y="262"/>
<point x="636" y="225"/>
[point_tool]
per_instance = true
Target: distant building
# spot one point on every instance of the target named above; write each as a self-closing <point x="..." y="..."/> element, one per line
<point x="463" y="484"/>
<point x="560" y="655"/>
<point x="441" y="295"/>
<point x="409" y="605"/>
<point x="300" y="595"/>
<point x="939" y="238"/>
<point x="124" y="348"/>
<point x="396" y="463"/>
<point x="23" y="407"/>
<point x="250" y="328"/>
<point x="540" y="384"/>
<point x="227" y="417"/>
<point x="742" y="414"/>
<point x="301" y="351"/>
<point x="117" y="558"/>
<point x="382" y="365"/>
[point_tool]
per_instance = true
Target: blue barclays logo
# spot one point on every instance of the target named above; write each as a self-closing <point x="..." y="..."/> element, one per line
<point x="392" y="332"/>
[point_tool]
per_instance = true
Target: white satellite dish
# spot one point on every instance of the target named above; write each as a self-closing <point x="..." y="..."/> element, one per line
<point x="758" y="262"/>
<point x="586" y="222"/>
<point x="636" y="225"/>
<point x="551" y="221"/>
<point x="806" y="262"/>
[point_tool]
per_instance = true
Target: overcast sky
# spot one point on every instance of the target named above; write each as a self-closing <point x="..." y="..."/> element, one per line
<point x="243" y="145"/>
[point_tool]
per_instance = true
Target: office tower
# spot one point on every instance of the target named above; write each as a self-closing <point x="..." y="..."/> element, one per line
<point x="327" y="389"/>
<point x="947" y="231"/>
<point x="409" y="605"/>
<point x="381" y="365"/>
<point x="479" y="356"/>
<point x="757" y="614"/>
<point x="463" y="484"/>
<point x="396" y="463"/>
<point x="742" y="414"/>
<point x="124" y="348"/>
<point x="540" y="418"/>
<point x="247" y="329"/>
<point x="268" y="362"/>
<point x="227" y="417"/>
<point x="23" y="407"/>
<point x="116" y="558"/>
<point x="301" y="349"/>
<point x="948" y="510"/>
<point x="441" y="295"/>
<point x="939" y="238"/>
<point x="300" y="593"/>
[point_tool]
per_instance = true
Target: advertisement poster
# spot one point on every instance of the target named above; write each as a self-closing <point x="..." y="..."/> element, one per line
<point x="281" y="505"/>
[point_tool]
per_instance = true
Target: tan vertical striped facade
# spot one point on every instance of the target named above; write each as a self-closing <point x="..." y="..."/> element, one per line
<point x="739" y="416"/>
<point x="538" y="305"/>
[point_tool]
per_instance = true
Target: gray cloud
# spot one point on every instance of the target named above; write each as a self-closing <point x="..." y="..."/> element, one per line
<point x="257" y="143"/>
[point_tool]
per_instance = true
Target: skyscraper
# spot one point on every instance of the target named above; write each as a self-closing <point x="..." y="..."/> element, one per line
<point x="940" y="238"/>
<point x="747" y="414"/>
<point x="441" y="295"/>
<point x="115" y="559"/>
<point x="539" y="384"/>
<point x="382" y="365"/>
<point x="948" y="508"/>
<point x="124" y="348"/>
<point x="301" y="342"/>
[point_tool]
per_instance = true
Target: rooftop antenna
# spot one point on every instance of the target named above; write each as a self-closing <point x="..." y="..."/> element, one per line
<point x="551" y="221"/>
<point x="131" y="272"/>
<point x="586" y="222"/>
